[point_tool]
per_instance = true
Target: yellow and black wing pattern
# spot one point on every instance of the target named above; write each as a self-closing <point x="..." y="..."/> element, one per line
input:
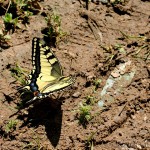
<point x="47" y="75"/>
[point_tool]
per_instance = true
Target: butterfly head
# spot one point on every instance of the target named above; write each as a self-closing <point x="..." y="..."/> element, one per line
<point x="34" y="88"/>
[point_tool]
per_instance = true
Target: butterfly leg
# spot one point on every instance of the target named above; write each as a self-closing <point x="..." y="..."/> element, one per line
<point x="53" y="96"/>
<point x="60" y="94"/>
<point x="31" y="100"/>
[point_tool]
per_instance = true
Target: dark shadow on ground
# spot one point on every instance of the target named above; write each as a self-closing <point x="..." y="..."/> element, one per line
<point x="48" y="113"/>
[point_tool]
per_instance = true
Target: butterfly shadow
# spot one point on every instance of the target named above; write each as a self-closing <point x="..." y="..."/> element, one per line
<point x="48" y="113"/>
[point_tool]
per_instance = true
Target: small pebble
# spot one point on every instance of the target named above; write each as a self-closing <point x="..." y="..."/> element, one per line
<point x="115" y="74"/>
<point x="101" y="103"/>
<point x="76" y="95"/>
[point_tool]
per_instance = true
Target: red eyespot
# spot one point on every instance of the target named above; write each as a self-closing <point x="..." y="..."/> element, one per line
<point x="36" y="93"/>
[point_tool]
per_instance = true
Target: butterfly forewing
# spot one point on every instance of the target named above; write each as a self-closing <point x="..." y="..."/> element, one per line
<point x="58" y="85"/>
<point x="36" y="57"/>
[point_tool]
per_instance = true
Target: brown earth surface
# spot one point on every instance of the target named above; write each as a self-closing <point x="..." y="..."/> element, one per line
<point x="99" y="39"/>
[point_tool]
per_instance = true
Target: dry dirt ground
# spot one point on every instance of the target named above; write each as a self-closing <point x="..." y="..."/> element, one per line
<point x="99" y="39"/>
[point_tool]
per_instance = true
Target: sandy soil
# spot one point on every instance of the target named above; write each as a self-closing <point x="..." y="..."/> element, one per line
<point x="99" y="39"/>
